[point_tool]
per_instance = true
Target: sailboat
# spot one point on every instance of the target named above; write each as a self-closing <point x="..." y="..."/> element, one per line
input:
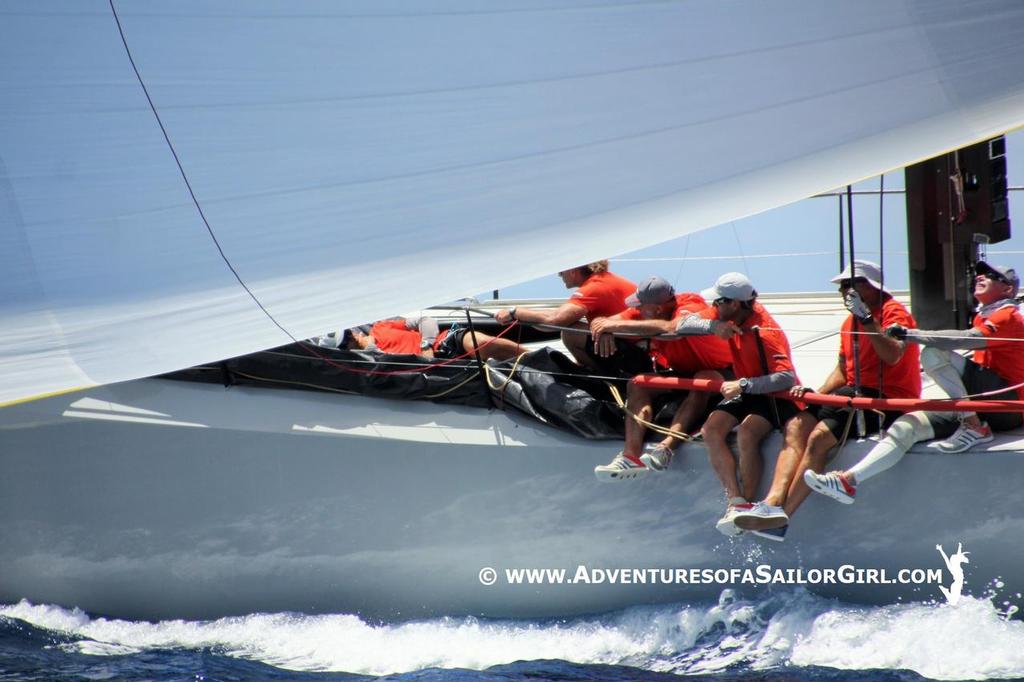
<point x="184" y="184"/>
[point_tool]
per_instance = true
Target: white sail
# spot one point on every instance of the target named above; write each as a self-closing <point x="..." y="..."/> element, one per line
<point x="358" y="159"/>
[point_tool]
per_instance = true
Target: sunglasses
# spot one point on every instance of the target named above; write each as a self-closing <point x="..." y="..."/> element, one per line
<point x="995" y="277"/>
<point x="721" y="301"/>
<point x="848" y="283"/>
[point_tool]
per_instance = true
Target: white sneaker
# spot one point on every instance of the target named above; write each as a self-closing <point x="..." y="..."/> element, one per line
<point x="965" y="438"/>
<point x="658" y="458"/>
<point x="761" y="517"/>
<point x="832" y="484"/>
<point x="726" y="525"/>
<point x="622" y="468"/>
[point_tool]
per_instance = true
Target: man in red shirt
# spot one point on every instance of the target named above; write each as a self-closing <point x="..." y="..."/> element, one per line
<point x="655" y="309"/>
<point x="761" y="360"/>
<point x="998" y="363"/>
<point x="421" y="336"/>
<point x="599" y="293"/>
<point x="887" y="368"/>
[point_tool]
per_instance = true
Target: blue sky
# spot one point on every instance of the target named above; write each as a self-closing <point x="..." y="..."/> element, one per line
<point x="804" y="234"/>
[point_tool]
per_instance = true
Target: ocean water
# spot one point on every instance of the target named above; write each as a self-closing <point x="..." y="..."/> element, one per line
<point x="790" y="635"/>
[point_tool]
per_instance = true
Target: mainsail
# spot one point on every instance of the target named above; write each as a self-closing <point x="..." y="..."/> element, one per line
<point x="343" y="161"/>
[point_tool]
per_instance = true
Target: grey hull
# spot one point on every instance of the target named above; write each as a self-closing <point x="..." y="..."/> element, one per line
<point x="159" y="499"/>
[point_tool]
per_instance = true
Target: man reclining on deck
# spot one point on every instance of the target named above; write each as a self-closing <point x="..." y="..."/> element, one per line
<point x="421" y="336"/>
<point x="997" y="363"/>
<point x="655" y="309"/>
<point x="885" y="368"/>
<point x="599" y="293"/>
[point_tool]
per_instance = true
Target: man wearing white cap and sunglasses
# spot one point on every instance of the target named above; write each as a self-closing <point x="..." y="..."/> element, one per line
<point x="997" y="363"/>
<point x="761" y="361"/>
<point x="884" y="367"/>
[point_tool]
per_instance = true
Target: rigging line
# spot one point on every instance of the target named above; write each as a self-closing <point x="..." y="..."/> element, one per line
<point x="842" y="239"/>
<point x="739" y="245"/>
<point x="679" y="273"/>
<point x="531" y="370"/>
<point x="184" y="177"/>
<point x="857" y="379"/>
<point x="965" y="335"/>
<point x="425" y="366"/>
<point x="881" y="264"/>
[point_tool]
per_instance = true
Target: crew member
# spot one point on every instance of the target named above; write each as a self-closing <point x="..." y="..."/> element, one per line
<point x="887" y="368"/>
<point x="599" y="293"/>
<point x="997" y="363"/>
<point x="656" y="309"/>
<point x="761" y="360"/>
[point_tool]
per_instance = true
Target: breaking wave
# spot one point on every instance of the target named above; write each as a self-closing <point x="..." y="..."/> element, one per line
<point x="790" y="630"/>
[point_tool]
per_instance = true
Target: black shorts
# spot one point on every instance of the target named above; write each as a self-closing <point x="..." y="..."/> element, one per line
<point x="451" y="345"/>
<point x="746" y="404"/>
<point x="978" y="379"/>
<point x="628" y="360"/>
<point x="835" y="417"/>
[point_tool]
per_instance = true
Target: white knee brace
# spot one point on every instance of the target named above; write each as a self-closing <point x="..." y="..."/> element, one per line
<point x="911" y="428"/>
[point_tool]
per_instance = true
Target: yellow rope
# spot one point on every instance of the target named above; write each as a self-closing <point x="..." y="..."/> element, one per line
<point x="511" y="373"/>
<point x="293" y="383"/>
<point x="453" y="388"/>
<point x="657" y="428"/>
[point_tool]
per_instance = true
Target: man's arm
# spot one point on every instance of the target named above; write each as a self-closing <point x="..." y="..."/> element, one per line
<point x="888" y="349"/>
<point x="562" y="316"/>
<point x="696" y="325"/>
<point x="428" y="329"/>
<point x="943" y="339"/>
<point x="617" y="325"/>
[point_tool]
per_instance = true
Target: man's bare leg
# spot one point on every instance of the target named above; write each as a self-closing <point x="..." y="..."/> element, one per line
<point x="638" y="402"/>
<point x="690" y="409"/>
<point x="491" y="347"/>
<point x="715" y="431"/>
<point x="814" y="458"/>
<point x="576" y="344"/>
<point x="794" y="442"/>
<point x="751" y="432"/>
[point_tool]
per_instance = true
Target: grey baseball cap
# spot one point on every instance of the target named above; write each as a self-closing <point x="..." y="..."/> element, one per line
<point x="866" y="269"/>
<point x="1003" y="272"/>
<point x="732" y="285"/>
<point x="652" y="290"/>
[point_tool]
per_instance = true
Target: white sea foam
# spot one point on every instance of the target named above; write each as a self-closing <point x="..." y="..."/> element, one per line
<point x="971" y="640"/>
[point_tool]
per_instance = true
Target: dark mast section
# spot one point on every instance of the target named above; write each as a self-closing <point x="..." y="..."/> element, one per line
<point x="956" y="205"/>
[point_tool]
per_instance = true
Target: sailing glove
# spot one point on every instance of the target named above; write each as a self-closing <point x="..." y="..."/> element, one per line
<point x="896" y="331"/>
<point x="857" y="307"/>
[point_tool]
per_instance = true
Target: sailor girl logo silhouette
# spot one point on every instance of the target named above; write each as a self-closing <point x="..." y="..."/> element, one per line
<point x="955" y="565"/>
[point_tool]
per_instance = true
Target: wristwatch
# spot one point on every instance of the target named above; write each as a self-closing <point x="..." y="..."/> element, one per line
<point x="512" y="312"/>
<point x="745" y="384"/>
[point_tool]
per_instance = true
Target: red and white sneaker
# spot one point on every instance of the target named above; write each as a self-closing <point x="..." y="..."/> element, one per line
<point x="761" y="516"/>
<point x="965" y="438"/>
<point x="833" y="484"/>
<point x="622" y="468"/>
<point x="727" y="524"/>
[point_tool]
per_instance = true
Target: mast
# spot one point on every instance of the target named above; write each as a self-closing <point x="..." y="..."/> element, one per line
<point x="955" y="203"/>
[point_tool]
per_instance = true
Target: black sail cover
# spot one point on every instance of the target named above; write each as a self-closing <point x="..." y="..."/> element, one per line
<point x="543" y="384"/>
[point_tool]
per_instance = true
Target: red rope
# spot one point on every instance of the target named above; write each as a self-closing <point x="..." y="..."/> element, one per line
<point x="888" y="404"/>
<point x="411" y="370"/>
